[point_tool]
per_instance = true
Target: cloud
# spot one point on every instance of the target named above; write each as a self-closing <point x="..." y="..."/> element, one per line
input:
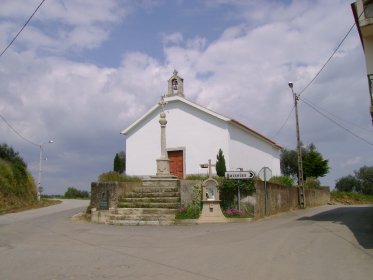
<point x="352" y="162"/>
<point x="174" y="38"/>
<point x="242" y="73"/>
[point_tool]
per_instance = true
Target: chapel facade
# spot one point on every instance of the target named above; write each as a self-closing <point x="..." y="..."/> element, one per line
<point x="194" y="134"/>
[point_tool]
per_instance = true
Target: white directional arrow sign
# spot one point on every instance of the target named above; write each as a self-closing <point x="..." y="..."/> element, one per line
<point x="239" y="174"/>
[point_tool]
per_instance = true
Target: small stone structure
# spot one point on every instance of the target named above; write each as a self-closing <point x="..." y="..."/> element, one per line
<point x="211" y="211"/>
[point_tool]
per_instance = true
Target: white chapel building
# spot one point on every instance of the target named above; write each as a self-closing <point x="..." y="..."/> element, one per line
<point x="194" y="134"/>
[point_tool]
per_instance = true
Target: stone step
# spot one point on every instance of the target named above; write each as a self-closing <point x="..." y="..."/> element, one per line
<point x="151" y="194"/>
<point x="160" y="183"/>
<point x="150" y="199"/>
<point x="148" y="205"/>
<point x="140" y="223"/>
<point x="140" y="211"/>
<point x="154" y="189"/>
<point x="143" y="217"/>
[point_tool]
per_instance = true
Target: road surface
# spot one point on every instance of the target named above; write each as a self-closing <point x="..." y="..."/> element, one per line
<point x="330" y="242"/>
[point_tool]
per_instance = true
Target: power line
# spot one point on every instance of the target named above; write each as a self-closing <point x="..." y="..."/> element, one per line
<point x="335" y="122"/>
<point x="285" y="122"/>
<point x="23" y="27"/>
<point x="1" y="54"/>
<point x="327" y="61"/>
<point x="337" y="117"/>
<point x="16" y="132"/>
<point x="334" y="52"/>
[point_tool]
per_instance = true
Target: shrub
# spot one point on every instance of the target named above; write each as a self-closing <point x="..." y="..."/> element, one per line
<point x="193" y="210"/>
<point x="197" y="177"/>
<point x="189" y="212"/>
<point x="232" y="185"/>
<point x="113" y="176"/>
<point x="235" y="213"/>
<point x="229" y="188"/>
<point x="348" y="184"/>
<point x="75" y="193"/>
<point x="282" y="180"/>
<point x="220" y="164"/>
<point x="312" y="183"/>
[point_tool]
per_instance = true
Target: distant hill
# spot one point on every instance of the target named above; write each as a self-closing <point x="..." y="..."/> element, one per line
<point x="17" y="186"/>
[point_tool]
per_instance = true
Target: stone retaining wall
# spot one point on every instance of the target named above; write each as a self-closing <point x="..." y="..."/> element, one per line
<point x="283" y="198"/>
<point x="280" y="198"/>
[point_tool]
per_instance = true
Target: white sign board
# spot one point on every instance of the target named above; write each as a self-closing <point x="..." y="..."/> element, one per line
<point x="265" y="173"/>
<point x="239" y="174"/>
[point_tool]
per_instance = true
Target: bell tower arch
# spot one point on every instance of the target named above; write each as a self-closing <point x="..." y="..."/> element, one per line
<point x="175" y="85"/>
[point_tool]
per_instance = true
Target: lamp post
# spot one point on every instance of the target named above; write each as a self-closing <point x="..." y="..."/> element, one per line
<point x="40" y="166"/>
<point x="302" y="200"/>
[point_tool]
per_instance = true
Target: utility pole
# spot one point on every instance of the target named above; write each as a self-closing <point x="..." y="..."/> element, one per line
<point x="302" y="199"/>
<point x="38" y="191"/>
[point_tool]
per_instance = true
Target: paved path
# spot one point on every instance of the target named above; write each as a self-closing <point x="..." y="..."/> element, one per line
<point x="331" y="242"/>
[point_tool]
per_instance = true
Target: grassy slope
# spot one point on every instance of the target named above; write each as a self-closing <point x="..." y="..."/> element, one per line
<point x="17" y="189"/>
<point x="350" y="198"/>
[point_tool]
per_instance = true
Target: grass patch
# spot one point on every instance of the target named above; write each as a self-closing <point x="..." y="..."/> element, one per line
<point x="189" y="212"/>
<point x="32" y="205"/>
<point x="350" y="198"/>
<point x="113" y="176"/>
<point x="201" y="177"/>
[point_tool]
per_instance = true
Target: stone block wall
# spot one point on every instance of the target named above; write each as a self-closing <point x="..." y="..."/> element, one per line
<point x="186" y="190"/>
<point x="97" y="192"/>
<point x="283" y="198"/>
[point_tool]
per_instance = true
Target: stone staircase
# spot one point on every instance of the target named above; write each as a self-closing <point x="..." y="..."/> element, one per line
<point x="154" y="203"/>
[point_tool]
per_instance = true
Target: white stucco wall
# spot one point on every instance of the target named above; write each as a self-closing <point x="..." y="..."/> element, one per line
<point x="251" y="153"/>
<point x="199" y="134"/>
<point x="368" y="48"/>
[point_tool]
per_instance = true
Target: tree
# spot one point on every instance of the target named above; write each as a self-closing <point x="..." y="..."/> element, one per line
<point x="118" y="164"/>
<point x="365" y="177"/>
<point x="75" y="193"/>
<point x="7" y="153"/>
<point x="314" y="165"/>
<point x="348" y="184"/>
<point x="122" y="156"/>
<point x="220" y="164"/>
<point x="289" y="163"/>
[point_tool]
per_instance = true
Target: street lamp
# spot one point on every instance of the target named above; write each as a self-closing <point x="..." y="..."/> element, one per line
<point x="40" y="166"/>
<point x="299" y="150"/>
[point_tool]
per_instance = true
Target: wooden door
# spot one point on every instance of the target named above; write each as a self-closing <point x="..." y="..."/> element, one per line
<point x="176" y="163"/>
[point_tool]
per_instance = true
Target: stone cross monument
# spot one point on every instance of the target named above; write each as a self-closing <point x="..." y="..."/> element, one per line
<point x="163" y="163"/>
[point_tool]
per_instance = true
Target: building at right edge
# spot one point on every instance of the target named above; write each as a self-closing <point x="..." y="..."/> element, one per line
<point x="363" y="14"/>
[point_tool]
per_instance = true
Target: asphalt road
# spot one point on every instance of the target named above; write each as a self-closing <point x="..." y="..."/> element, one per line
<point x="331" y="242"/>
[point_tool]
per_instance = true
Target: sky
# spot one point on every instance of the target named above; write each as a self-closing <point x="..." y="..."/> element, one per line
<point x="82" y="71"/>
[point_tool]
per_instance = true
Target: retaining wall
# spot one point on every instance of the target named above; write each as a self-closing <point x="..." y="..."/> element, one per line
<point x="284" y="198"/>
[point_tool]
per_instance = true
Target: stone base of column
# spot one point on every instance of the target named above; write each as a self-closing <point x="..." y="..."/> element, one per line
<point x="163" y="169"/>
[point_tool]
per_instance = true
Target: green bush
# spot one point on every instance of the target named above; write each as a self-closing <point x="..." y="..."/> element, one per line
<point x="189" y="212"/>
<point x="232" y="185"/>
<point x="220" y="164"/>
<point x="282" y="180"/>
<point x="201" y="177"/>
<point x="229" y="188"/>
<point x="312" y="183"/>
<point x="75" y="193"/>
<point x="113" y="176"/>
<point x="193" y="210"/>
